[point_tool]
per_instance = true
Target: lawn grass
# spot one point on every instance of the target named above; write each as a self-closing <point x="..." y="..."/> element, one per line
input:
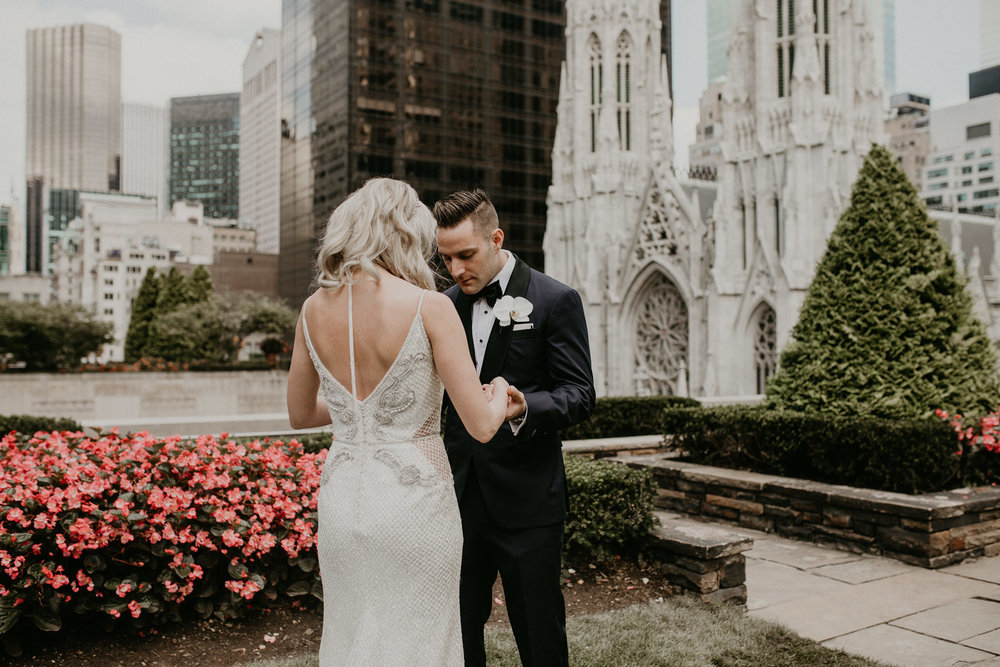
<point x="678" y="631"/>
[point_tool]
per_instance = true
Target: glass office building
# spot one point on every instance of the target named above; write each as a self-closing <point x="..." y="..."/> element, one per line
<point x="205" y="152"/>
<point x="445" y="94"/>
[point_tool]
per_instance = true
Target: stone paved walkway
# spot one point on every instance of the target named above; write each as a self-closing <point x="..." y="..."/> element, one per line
<point x="878" y="607"/>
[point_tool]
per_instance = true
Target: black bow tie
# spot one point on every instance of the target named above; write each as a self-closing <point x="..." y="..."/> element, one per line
<point x="491" y="293"/>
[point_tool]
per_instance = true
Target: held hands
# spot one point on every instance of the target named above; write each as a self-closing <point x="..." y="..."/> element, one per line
<point x="516" y="404"/>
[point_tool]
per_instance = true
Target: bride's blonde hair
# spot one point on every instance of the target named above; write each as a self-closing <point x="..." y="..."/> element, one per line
<point x="381" y="224"/>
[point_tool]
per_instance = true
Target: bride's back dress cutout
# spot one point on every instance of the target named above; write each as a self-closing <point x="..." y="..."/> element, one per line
<point x="390" y="534"/>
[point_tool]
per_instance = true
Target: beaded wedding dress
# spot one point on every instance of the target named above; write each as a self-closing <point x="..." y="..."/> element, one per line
<point x="390" y="534"/>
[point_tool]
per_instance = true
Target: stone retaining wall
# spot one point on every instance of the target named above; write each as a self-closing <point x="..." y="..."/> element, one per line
<point x="930" y="530"/>
<point x="163" y="403"/>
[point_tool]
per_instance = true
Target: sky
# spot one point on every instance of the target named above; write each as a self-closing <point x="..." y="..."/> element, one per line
<point x="173" y="48"/>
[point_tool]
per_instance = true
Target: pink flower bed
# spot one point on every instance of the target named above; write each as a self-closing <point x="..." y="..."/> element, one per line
<point x="146" y="528"/>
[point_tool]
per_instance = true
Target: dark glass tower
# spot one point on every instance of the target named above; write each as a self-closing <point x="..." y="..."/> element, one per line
<point x="447" y="95"/>
<point x="205" y="152"/>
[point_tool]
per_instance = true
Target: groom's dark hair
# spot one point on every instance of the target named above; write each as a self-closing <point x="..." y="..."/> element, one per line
<point x="475" y="205"/>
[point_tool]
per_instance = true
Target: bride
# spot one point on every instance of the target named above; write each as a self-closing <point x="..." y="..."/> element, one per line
<point x="374" y="347"/>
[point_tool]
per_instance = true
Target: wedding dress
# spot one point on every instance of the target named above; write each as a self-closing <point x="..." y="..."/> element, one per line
<point x="390" y="534"/>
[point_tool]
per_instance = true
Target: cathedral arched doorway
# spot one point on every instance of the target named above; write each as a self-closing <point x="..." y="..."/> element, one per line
<point x="660" y="361"/>
<point x="764" y="335"/>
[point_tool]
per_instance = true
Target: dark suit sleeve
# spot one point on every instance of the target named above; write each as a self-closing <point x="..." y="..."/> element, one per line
<point x="567" y="354"/>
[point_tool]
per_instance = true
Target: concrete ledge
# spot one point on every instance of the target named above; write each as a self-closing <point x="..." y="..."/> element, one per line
<point x="636" y="445"/>
<point x="706" y="560"/>
<point x="930" y="530"/>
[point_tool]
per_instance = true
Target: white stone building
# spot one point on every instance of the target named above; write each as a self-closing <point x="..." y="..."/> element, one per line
<point x="961" y="169"/>
<point x="692" y="287"/>
<point x="101" y="264"/>
<point x="260" y="139"/>
<point x="145" y="152"/>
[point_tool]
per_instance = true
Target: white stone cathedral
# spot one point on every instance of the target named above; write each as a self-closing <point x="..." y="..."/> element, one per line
<point x="692" y="287"/>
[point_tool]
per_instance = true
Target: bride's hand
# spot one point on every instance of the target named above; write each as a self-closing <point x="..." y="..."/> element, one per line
<point x="499" y="389"/>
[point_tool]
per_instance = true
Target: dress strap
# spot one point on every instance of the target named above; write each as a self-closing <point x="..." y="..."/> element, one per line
<point x="350" y="337"/>
<point x="420" y="304"/>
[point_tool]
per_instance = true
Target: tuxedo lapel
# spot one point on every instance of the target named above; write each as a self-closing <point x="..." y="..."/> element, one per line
<point x="496" y="347"/>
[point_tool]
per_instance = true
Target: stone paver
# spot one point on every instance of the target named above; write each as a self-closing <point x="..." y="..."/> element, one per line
<point x="897" y="646"/>
<point x="988" y="641"/>
<point x="852" y="608"/>
<point x="987" y="569"/>
<point x="800" y="555"/>
<point x="955" y="621"/>
<point x="863" y="570"/>
<point x="773" y="583"/>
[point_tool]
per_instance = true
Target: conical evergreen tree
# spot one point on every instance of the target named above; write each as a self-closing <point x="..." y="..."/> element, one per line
<point x="200" y="284"/>
<point x="174" y="292"/>
<point x="143" y="311"/>
<point x="886" y="328"/>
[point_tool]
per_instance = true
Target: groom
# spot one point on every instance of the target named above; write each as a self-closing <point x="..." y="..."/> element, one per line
<point x="530" y="329"/>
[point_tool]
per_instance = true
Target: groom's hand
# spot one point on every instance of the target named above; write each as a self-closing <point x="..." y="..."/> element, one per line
<point x="516" y="405"/>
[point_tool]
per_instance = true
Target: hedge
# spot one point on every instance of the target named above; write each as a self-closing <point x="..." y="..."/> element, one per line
<point x="908" y="456"/>
<point x="619" y="416"/>
<point x="29" y="425"/>
<point x="610" y="509"/>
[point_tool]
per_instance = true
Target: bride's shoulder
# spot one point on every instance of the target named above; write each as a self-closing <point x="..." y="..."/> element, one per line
<point x="436" y="302"/>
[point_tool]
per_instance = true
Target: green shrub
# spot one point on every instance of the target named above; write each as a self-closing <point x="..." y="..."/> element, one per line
<point x="887" y="327"/>
<point x="610" y="509"/>
<point x="29" y="425"/>
<point x="619" y="416"/>
<point x="908" y="456"/>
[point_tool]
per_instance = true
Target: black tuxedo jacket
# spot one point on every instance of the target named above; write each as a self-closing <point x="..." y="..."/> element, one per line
<point x="522" y="478"/>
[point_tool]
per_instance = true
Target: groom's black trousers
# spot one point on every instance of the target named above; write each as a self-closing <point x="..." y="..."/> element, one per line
<point x="529" y="561"/>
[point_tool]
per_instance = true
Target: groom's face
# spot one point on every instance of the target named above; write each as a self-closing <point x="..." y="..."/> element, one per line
<point x="472" y="258"/>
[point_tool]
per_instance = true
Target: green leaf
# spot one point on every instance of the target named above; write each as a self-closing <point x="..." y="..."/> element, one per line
<point x="47" y="621"/>
<point x="8" y="615"/>
<point x="298" y="588"/>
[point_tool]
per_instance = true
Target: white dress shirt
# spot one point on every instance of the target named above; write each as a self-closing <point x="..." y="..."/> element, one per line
<point x="482" y="313"/>
<point x="482" y="325"/>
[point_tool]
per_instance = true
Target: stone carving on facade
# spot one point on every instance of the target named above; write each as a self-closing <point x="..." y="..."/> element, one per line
<point x="661" y="335"/>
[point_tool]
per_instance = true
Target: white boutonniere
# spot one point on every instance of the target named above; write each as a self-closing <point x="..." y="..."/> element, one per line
<point x="512" y="308"/>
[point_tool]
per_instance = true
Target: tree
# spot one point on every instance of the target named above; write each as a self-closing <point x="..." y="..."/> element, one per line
<point x="177" y="292"/>
<point x="886" y="328"/>
<point x="49" y="337"/>
<point x="143" y="311"/>
<point x="215" y="329"/>
<point x="200" y="286"/>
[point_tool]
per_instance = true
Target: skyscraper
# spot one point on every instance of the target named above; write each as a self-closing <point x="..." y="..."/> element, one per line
<point x="720" y="16"/>
<point x="260" y="139"/>
<point x="447" y="95"/>
<point x="205" y="152"/>
<point x="989" y="33"/>
<point x="145" y="149"/>
<point x="73" y="122"/>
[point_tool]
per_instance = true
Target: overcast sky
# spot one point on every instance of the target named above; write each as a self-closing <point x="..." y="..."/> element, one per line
<point x="173" y="48"/>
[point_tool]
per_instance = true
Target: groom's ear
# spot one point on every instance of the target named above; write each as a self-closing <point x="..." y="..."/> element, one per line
<point x="497" y="238"/>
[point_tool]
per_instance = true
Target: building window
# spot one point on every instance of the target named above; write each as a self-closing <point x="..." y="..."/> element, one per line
<point x="765" y="346"/>
<point x="986" y="194"/>
<point x="661" y="339"/>
<point x="596" y="85"/>
<point x="986" y="166"/>
<point x="938" y="186"/>
<point x="967" y="169"/>
<point x="986" y="152"/>
<point x="623" y="85"/>
<point x="977" y="131"/>
<point x="786" y="48"/>
<point x="985" y="179"/>
<point x="970" y="155"/>
<point x="777" y="228"/>
<point x="938" y="173"/>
